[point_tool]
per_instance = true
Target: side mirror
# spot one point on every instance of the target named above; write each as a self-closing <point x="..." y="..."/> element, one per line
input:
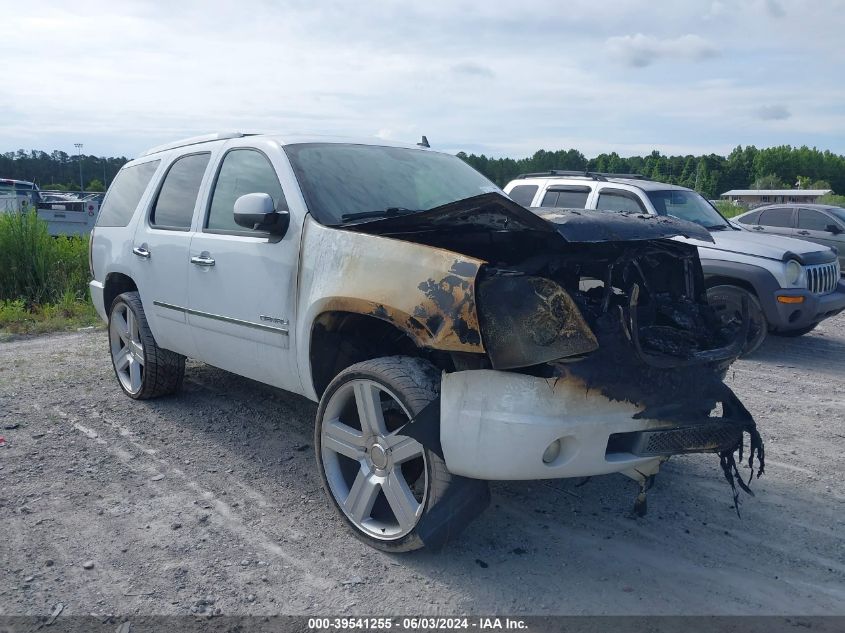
<point x="833" y="228"/>
<point x="257" y="211"/>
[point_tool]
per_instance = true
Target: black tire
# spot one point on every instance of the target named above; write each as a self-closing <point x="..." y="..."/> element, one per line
<point x="162" y="371"/>
<point x="795" y="333"/>
<point x="450" y="501"/>
<point x="727" y="302"/>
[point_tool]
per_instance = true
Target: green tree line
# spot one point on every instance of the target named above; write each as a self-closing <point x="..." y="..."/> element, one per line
<point x="744" y="168"/>
<point x="59" y="170"/>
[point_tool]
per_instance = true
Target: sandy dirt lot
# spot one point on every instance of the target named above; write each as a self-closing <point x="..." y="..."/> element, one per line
<point x="210" y="502"/>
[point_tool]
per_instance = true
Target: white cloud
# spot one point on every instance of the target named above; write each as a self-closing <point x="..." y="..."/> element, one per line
<point x="475" y="75"/>
<point x="472" y="69"/>
<point x="643" y="50"/>
<point x="773" y="113"/>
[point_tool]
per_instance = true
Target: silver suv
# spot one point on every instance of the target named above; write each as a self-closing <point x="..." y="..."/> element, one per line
<point x="789" y="285"/>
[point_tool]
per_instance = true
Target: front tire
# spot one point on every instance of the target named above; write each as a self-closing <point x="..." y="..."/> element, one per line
<point x="385" y="485"/>
<point x="727" y="302"/>
<point x="143" y="369"/>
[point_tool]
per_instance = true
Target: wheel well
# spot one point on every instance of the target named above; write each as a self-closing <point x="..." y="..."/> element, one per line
<point x="718" y="280"/>
<point x="341" y="339"/>
<point x="116" y="283"/>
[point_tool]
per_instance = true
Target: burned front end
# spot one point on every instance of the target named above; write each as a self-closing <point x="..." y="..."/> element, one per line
<point x="601" y="353"/>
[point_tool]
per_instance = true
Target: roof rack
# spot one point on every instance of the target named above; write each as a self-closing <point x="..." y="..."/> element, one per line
<point x="592" y="175"/>
<point x="194" y="140"/>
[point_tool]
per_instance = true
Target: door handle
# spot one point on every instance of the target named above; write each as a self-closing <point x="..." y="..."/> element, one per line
<point x="140" y="251"/>
<point x="202" y="260"/>
<point x="803" y="232"/>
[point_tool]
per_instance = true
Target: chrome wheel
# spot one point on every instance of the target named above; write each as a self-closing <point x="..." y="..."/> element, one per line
<point x="127" y="351"/>
<point x="378" y="478"/>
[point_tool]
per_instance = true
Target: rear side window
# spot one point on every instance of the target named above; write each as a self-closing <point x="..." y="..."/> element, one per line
<point x="813" y="220"/>
<point x="125" y="194"/>
<point x="618" y="201"/>
<point x="243" y="171"/>
<point x="523" y="194"/>
<point x="174" y="206"/>
<point x="750" y="218"/>
<point x="567" y="198"/>
<point x="780" y="217"/>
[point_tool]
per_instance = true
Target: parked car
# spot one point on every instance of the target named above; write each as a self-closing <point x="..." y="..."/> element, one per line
<point x="789" y="285"/>
<point x="819" y="223"/>
<point x="66" y="213"/>
<point x="442" y="328"/>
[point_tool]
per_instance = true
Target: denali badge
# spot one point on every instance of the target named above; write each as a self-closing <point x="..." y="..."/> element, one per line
<point x="271" y="319"/>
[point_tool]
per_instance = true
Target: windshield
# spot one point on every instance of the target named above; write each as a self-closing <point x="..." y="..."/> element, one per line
<point x="687" y="205"/>
<point x="345" y="182"/>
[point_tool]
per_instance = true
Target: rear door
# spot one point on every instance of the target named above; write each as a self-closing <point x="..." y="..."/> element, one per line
<point x="160" y="249"/>
<point x="776" y="220"/>
<point x="814" y="225"/>
<point x="242" y="282"/>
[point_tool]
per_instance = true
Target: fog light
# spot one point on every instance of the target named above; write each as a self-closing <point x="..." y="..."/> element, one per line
<point x="552" y="452"/>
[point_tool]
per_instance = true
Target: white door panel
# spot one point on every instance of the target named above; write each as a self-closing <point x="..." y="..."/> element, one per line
<point x="162" y="280"/>
<point x="241" y="306"/>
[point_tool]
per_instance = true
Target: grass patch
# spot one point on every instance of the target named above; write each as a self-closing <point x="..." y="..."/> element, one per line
<point x="43" y="279"/>
<point x="69" y="314"/>
<point x="728" y="209"/>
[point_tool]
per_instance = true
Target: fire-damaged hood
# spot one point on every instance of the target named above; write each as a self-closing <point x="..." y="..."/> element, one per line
<point x="495" y="212"/>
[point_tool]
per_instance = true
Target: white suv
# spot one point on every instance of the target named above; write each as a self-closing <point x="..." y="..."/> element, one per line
<point x="449" y="335"/>
<point x="789" y="285"/>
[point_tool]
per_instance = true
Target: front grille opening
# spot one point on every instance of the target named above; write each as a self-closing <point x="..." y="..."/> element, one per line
<point x="822" y="279"/>
<point x="698" y="438"/>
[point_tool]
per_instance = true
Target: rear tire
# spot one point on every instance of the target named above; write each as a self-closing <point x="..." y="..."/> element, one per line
<point x="727" y="302"/>
<point x="143" y="369"/>
<point x="385" y="485"/>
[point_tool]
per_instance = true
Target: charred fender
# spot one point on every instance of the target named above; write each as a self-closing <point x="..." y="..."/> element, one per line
<point x="426" y="292"/>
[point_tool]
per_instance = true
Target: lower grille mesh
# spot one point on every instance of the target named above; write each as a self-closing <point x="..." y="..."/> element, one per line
<point x="699" y="438"/>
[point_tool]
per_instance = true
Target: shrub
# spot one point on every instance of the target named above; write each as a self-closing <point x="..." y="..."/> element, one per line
<point x="833" y="199"/>
<point x="729" y="209"/>
<point x="37" y="268"/>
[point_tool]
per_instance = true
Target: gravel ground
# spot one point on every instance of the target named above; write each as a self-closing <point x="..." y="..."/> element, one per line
<point x="210" y="502"/>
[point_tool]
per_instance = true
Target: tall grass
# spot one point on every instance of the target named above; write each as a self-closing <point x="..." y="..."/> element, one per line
<point x="36" y="268"/>
<point x="43" y="279"/>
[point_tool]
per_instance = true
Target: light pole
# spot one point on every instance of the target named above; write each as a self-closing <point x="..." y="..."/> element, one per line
<point x="78" y="147"/>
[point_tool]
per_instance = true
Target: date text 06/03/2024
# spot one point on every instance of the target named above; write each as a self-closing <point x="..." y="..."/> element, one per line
<point x="416" y="623"/>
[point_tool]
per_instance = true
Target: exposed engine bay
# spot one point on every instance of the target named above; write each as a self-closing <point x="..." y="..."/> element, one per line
<point x="607" y="300"/>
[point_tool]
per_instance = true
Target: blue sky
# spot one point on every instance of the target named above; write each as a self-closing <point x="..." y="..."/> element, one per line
<point x="502" y="78"/>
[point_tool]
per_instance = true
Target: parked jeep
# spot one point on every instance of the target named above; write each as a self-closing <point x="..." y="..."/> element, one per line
<point x="789" y="285"/>
<point x="449" y="335"/>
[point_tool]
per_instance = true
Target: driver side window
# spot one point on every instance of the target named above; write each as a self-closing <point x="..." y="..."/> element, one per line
<point x="243" y="171"/>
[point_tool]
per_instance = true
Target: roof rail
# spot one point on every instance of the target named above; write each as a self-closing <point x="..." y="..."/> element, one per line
<point x="592" y="175"/>
<point x="194" y="140"/>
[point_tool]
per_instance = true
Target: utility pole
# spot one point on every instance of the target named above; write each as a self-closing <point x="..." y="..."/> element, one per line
<point x="78" y="147"/>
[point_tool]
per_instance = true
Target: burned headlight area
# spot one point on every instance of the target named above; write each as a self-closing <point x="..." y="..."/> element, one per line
<point x="558" y="306"/>
<point x="630" y="320"/>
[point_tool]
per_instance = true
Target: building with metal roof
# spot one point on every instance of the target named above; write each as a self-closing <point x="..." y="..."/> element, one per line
<point x="753" y="197"/>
